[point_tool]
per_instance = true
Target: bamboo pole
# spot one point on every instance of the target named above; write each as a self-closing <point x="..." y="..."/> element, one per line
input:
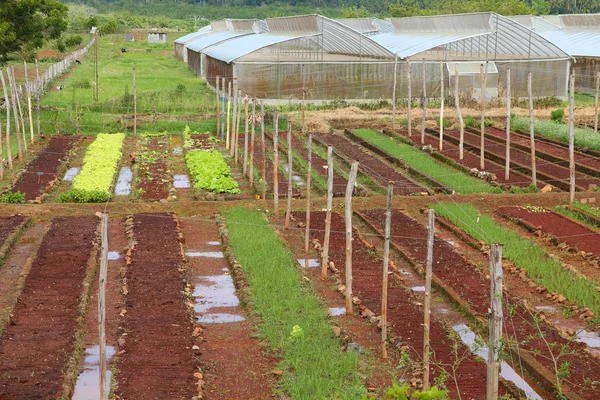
<point x="394" y="93"/>
<point x="234" y="117"/>
<point x="427" y="316"/>
<point x="39" y="88"/>
<point x="263" y="151"/>
<point x="7" y="102"/>
<point x="251" y="173"/>
<point x="325" y="253"/>
<point x="508" y="104"/>
<point x="18" y="94"/>
<point x="441" y="146"/>
<point x="348" y="215"/>
<point x="495" y="322"/>
<point x="134" y="104"/>
<point x="28" y="91"/>
<point x="275" y="163"/>
<point x="218" y="106"/>
<point x="237" y="127"/>
<point x="531" y="129"/>
<point x="386" y="262"/>
<point x="424" y="105"/>
<point x="596" y="102"/>
<point x="245" y="167"/>
<point x="461" y="143"/>
<point x="303" y="102"/>
<point x="223" y="93"/>
<point x="308" y="187"/>
<point x="288" y="212"/>
<point x="572" y="137"/>
<point x="409" y="114"/>
<point x="227" y="143"/>
<point x="103" y="273"/>
<point x="482" y="122"/>
<point x="15" y="115"/>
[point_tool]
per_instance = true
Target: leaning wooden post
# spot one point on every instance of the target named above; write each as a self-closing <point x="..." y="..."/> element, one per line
<point x="461" y="142"/>
<point x="28" y="91"/>
<point x="394" y="93"/>
<point x="134" y="105"/>
<point x="233" y="118"/>
<point x="288" y="212"/>
<point x="227" y="144"/>
<point x="596" y="102"/>
<point x="39" y="88"/>
<point x="531" y="130"/>
<point x="572" y="137"/>
<point x="102" y="303"/>
<point x="495" y="322"/>
<point x="508" y="104"/>
<point x="275" y="163"/>
<point x="251" y="173"/>
<point x="18" y="93"/>
<point x="218" y="104"/>
<point x="237" y="127"/>
<point x="424" y="105"/>
<point x="325" y="253"/>
<point x="263" y="164"/>
<point x="441" y="146"/>
<point x="7" y="102"/>
<point x="386" y="262"/>
<point x="427" y="318"/>
<point x="348" y="214"/>
<point x="245" y="167"/>
<point x="409" y="113"/>
<point x="222" y="100"/>
<point x="482" y="122"/>
<point x="15" y="114"/>
<point x="308" y="185"/>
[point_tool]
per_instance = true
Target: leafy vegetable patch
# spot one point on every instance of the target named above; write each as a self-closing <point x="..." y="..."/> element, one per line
<point x="211" y="172"/>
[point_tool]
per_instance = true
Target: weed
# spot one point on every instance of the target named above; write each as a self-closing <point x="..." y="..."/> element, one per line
<point x="557" y="115"/>
<point x="13" y="197"/>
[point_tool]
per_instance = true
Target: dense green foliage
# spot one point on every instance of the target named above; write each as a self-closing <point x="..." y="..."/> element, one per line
<point x="424" y="163"/>
<point x="524" y="253"/>
<point x="211" y="172"/>
<point x="13" y="198"/>
<point x="291" y="318"/>
<point x="584" y="137"/>
<point x="94" y="181"/>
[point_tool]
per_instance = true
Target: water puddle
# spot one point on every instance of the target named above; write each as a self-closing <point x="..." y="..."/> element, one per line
<point x="181" y="182"/>
<point x="592" y="339"/>
<point x="454" y="244"/>
<point x="213" y="243"/>
<point x="88" y="381"/>
<point x="549" y="309"/>
<point x="312" y="262"/>
<point x="124" y="182"/>
<point x="297" y="180"/>
<point x="216" y="291"/>
<point x="71" y="173"/>
<point x="336" y="311"/>
<point x="113" y="255"/>
<point x="208" y="254"/>
<point x="177" y="151"/>
<point x="418" y="288"/>
<point x="479" y="348"/>
<point x="405" y="272"/>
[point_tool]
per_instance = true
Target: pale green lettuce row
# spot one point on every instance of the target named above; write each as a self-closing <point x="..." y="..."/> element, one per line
<point x="211" y="172"/>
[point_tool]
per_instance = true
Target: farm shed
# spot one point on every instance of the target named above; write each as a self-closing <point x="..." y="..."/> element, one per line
<point x="157" y="37"/>
<point x="179" y="44"/>
<point x="129" y="37"/>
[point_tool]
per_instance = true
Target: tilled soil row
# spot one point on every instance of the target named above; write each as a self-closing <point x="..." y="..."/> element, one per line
<point x="8" y="226"/>
<point x="40" y="339"/>
<point x="535" y="339"/>
<point x="152" y="170"/>
<point x="42" y="172"/>
<point x="156" y="359"/>
<point x="405" y="315"/>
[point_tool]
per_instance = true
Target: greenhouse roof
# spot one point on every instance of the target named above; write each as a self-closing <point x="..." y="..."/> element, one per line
<point x="367" y="26"/>
<point x="234" y="49"/>
<point x="583" y="43"/>
<point x="212" y="39"/>
<point x="193" y="35"/>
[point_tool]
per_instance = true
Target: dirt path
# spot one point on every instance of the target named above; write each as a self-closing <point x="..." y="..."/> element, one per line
<point x="158" y="360"/>
<point x="39" y="339"/>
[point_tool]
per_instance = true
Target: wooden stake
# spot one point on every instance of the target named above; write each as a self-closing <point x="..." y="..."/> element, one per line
<point x="308" y="186"/>
<point x="572" y="137"/>
<point x="28" y="91"/>
<point x="424" y="105"/>
<point x="134" y="105"/>
<point x="482" y="127"/>
<point x="234" y="117"/>
<point x="441" y="146"/>
<point x="96" y="91"/>
<point x="7" y="102"/>
<point x="218" y="104"/>
<point x="275" y="163"/>
<point x="227" y="143"/>
<point x="222" y="100"/>
<point x="245" y="167"/>
<point x="531" y="130"/>
<point x="348" y="214"/>
<point x="508" y="104"/>
<point x="325" y="253"/>
<point x="102" y="303"/>
<point x="38" y="90"/>
<point x="596" y="102"/>
<point x="288" y="212"/>
<point x="264" y="151"/>
<point x="237" y="126"/>
<point x="394" y="93"/>
<point x="427" y="316"/>
<point x="251" y="173"/>
<point x="461" y="143"/>
<point x="18" y="94"/>
<point x="495" y="322"/>
<point x="386" y="263"/>
<point x="15" y="114"/>
<point x="303" y="102"/>
<point x="409" y="99"/>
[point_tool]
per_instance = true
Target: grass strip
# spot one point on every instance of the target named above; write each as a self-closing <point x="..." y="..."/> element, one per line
<point x="292" y="319"/>
<point x="524" y="253"/>
<point x="578" y="216"/>
<point x="584" y="137"/>
<point x="420" y="161"/>
<point x="595" y="211"/>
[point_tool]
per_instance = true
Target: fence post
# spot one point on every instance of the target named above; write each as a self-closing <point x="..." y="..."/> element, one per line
<point x="7" y="102"/>
<point x="227" y="142"/>
<point x="441" y="146"/>
<point x="427" y="316"/>
<point x="218" y="105"/>
<point x="237" y="127"/>
<point x="424" y="105"/>
<point x="264" y="151"/>
<point x="288" y="213"/>
<point x="275" y="163"/>
<point x="409" y="115"/>
<point x="134" y="104"/>
<point x="495" y="321"/>
<point x="245" y="167"/>
<point x="596" y="102"/>
<point x="461" y="144"/>
<point x="482" y="116"/>
<point x="222" y="99"/>
<point x="102" y="303"/>
<point x="325" y="253"/>
<point x="308" y="184"/>
<point x="394" y="93"/>
<point x="28" y="91"/>
<point x="508" y="101"/>
<point x="386" y="262"/>
<point x="572" y="137"/>
<point x="15" y="114"/>
<point x="348" y="214"/>
<point x="251" y="173"/>
<point x="303" y="102"/>
<point x="531" y="129"/>
<point x="234" y="117"/>
<point x="96" y="61"/>
<point x="39" y="88"/>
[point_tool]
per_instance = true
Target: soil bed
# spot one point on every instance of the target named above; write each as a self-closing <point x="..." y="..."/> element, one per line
<point x="152" y="168"/>
<point x="158" y="362"/>
<point x="42" y="171"/>
<point x="8" y="225"/>
<point x="40" y="337"/>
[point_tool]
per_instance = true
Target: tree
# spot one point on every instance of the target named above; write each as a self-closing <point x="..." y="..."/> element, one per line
<point x="355" y="12"/>
<point x="26" y="24"/>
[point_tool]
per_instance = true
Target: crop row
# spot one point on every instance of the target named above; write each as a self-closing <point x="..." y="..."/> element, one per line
<point x="211" y="172"/>
<point x="584" y="137"/>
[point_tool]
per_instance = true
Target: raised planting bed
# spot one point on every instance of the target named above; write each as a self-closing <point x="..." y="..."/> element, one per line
<point x="370" y="165"/>
<point x="211" y="172"/>
<point x="531" y="342"/>
<point x="585" y="213"/>
<point x="421" y="165"/>
<point x="95" y="180"/>
<point x="563" y="229"/>
<point x="10" y="227"/>
<point x="41" y="173"/>
<point x="158" y="360"/>
<point x="152" y="175"/>
<point x="293" y="322"/>
<point x="405" y="312"/>
<point x="40" y="340"/>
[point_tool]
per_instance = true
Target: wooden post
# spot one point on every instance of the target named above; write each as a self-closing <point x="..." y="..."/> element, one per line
<point x="508" y="104"/>
<point x="227" y="143"/>
<point x="596" y="102"/>
<point x="102" y="303"/>
<point x="96" y="69"/>
<point x="28" y="91"/>
<point x="394" y="93"/>
<point x="303" y="102"/>
<point x="288" y="212"/>
<point x="461" y="143"/>
<point x="18" y="94"/>
<point x="427" y="317"/>
<point x="39" y="88"/>
<point x="348" y="214"/>
<point x="222" y="100"/>
<point x="251" y="173"/>
<point x="7" y="102"/>
<point x="237" y="126"/>
<point x="572" y="137"/>
<point x="482" y="127"/>
<point x="495" y="322"/>
<point x="134" y="105"/>
<point x="218" y="104"/>
<point x="15" y="114"/>
<point x="245" y="167"/>
<point x="424" y="105"/>
<point x="531" y="130"/>
<point x="441" y="146"/>
<point x="308" y="184"/>
<point x="275" y="163"/>
<point x="264" y="151"/>
<point x="386" y="263"/>
<point x="409" y="115"/>
<point x="325" y="253"/>
<point x="234" y="117"/>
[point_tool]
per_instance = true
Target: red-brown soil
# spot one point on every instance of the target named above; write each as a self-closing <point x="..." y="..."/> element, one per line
<point x="43" y="169"/>
<point x="158" y="362"/>
<point x="468" y="282"/>
<point x="379" y="171"/>
<point x="39" y="339"/>
<point x="405" y="317"/>
<point x="152" y="170"/>
<point x="565" y="230"/>
<point x="8" y="225"/>
<point x="232" y="360"/>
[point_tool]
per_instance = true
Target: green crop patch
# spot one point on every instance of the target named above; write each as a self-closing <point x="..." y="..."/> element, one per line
<point x="211" y="172"/>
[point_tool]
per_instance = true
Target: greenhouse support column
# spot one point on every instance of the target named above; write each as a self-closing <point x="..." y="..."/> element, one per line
<point x="461" y="144"/>
<point x="572" y="137"/>
<point x="531" y="129"/>
<point x="441" y="146"/>
<point x="409" y="115"/>
<point x="508" y="101"/>
<point x="424" y="105"/>
<point x="394" y="93"/>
